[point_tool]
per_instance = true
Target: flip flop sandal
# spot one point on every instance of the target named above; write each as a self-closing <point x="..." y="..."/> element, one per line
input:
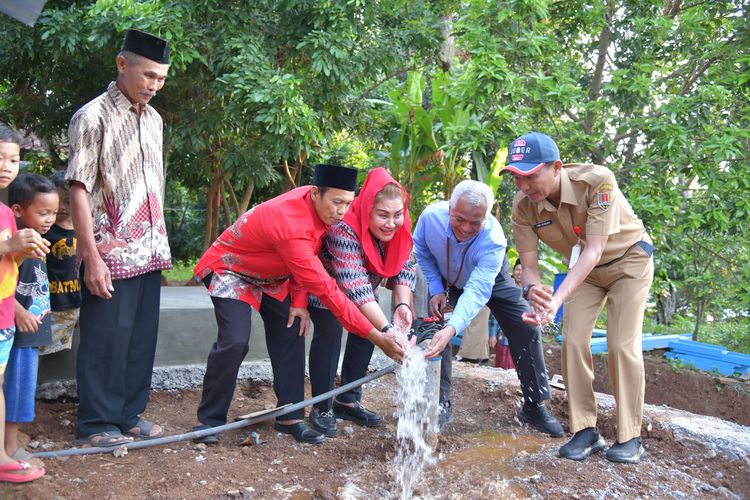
<point x="144" y="430"/>
<point x="106" y="439"/>
<point x="23" y="454"/>
<point x="8" y="472"/>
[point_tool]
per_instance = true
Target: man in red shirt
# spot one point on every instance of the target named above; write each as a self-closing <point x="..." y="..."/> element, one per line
<point x="268" y="261"/>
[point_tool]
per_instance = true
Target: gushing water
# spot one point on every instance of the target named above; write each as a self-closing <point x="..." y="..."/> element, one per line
<point x="417" y="418"/>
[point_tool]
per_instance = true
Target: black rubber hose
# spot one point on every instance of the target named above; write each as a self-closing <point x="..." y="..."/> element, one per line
<point x="148" y="443"/>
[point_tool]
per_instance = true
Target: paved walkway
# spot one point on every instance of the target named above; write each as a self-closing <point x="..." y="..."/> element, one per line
<point x="187" y="330"/>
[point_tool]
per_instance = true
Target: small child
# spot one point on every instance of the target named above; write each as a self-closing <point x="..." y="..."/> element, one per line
<point x="34" y="201"/>
<point x="13" y="245"/>
<point x="64" y="284"/>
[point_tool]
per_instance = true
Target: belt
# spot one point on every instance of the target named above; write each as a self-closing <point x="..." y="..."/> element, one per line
<point x="645" y="245"/>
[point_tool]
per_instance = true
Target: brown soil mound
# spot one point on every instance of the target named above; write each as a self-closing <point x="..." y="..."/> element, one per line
<point x="485" y="453"/>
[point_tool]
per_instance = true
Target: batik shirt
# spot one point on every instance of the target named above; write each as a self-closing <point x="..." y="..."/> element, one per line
<point x="344" y="259"/>
<point x="116" y="153"/>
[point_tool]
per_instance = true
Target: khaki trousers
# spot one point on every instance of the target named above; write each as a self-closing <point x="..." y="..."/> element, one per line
<point x="474" y="342"/>
<point x="623" y="285"/>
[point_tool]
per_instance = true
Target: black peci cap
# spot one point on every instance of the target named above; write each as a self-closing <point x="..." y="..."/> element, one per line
<point x="146" y="45"/>
<point x="335" y="176"/>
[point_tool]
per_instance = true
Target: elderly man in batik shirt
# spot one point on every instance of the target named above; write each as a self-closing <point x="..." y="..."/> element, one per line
<point x="116" y="184"/>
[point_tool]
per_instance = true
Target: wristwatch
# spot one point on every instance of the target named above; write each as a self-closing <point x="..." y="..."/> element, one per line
<point x="386" y="328"/>
<point x="526" y="290"/>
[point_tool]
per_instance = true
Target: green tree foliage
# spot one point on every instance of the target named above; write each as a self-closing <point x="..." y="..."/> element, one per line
<point x="655" y="89"/>
<point x="255" y="88"/>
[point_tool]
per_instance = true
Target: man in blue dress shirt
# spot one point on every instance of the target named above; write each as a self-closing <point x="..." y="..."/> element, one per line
<point x="460" y="248"/>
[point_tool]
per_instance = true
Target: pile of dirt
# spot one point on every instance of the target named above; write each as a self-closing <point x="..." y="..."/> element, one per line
<point x="690" y="390"/>
<point x="485" y="453"/>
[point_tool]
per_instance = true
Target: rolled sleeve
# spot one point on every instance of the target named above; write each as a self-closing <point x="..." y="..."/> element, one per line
<point x="406" y="277"/>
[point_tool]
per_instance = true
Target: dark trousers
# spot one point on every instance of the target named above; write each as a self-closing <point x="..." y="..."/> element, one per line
<point x="116" y="354"/>
<point x="285" y="347"/>
<point x="324" y="358"/>
<point x="507" y="305"/>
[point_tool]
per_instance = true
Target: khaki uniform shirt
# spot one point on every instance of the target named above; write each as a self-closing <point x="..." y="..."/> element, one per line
<point x="589" y="199"/>
<point x="116" y="154"/>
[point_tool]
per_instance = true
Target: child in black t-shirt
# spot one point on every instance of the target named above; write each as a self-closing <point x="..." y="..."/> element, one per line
<point x="64" y="284"/>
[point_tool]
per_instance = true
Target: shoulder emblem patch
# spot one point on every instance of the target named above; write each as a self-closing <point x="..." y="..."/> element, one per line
<point x="602" y="200"/>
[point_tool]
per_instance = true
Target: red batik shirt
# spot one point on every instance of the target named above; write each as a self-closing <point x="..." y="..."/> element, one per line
<point x="273" y="249"/>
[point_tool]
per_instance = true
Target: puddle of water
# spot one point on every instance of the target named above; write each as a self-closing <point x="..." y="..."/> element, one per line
<point x="489" y="460"/>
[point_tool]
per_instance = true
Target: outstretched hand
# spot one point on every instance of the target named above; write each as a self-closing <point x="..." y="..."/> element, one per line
<point x="389" y="343"/>
<point x="437" y="305"/>
<point x="439" y="341"/>
<point x="402" y="318"/>
<point x="544" y="306"/>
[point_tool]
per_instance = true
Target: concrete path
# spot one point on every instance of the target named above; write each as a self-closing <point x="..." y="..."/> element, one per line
<point x="187" y="330"/>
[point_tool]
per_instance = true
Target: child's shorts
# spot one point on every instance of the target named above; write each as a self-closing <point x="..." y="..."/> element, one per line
<point x="20" y="384"/>
<point x="63" y="325"/>
<point x="6" y="343"/>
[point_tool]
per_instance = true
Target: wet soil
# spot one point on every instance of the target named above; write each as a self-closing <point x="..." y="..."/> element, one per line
<point x="484" y="453"/>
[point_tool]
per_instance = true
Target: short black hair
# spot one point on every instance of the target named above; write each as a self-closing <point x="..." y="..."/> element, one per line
<point x="25" y="187"/>
<point x="517" y="263"/>
<point x="58" y="179"/>
<point x="7" y="134"/>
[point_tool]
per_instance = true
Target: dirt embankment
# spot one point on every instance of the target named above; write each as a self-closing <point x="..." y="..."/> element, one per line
<point x="485" y="453"/>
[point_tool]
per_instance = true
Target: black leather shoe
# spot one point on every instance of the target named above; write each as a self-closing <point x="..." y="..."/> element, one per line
<point x="583" y="444"/>
<point x="357" y="414"/>
<point x="301" y="432"/>
<point x="629" y="452"/>
<point x="323" y="422"/>
<point x="538" y="416"/>
<point x="210" y="439"/>
<point x="445" y="415"/>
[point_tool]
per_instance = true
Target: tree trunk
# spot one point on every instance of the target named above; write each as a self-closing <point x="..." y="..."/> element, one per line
<point x="698" y="318"/>
<point x="233" y="197"/>
<point x="213" y="208"/>
<point x="666" y="305"/>
<point x="208" y="218"/>
<point x="605" y="39"/>
<point x="247" y="195"/>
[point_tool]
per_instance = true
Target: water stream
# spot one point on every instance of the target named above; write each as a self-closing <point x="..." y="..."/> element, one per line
<point x="417" y="411"/>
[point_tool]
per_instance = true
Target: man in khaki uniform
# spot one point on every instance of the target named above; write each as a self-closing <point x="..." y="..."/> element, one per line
<point x="579" y="211"/>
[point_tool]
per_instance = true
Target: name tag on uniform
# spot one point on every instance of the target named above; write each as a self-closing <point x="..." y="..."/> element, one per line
<point x="544" y="223"/>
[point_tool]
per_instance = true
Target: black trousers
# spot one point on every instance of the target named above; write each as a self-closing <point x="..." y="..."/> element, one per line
<point x="507" y="305"/>
<point x="116" y="354"/>
<point x="285" y="347"/>
<point x="324" y="358"/>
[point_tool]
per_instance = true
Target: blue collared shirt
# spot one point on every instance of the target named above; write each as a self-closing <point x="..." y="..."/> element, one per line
<point x="483" y="260"/>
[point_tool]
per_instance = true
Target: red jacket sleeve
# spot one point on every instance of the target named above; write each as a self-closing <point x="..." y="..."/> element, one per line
<point x="309" y="274"/>
<point x="298" y="294"/>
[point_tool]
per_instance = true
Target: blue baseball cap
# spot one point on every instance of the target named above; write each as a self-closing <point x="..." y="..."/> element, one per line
<point x="530" y="152"/>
